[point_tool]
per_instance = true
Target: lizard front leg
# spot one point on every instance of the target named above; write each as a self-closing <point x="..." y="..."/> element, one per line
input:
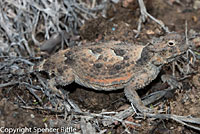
<point x="143" y="78"/>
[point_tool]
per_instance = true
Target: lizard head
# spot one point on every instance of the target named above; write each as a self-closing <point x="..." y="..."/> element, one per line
<point x="167" y="48"/>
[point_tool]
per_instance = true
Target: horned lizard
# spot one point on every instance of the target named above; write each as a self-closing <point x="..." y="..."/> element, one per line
<point x="113" y="65"/>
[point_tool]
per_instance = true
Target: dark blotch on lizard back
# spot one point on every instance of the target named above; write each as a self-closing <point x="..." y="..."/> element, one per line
<point x="96" y="50"/>
<point x="145" y="56"/>
<point x="115" y="69"/>
<point x="69" y="60"/>
<point x="118" y="67"/>
<point x="65" y="67"/>
<point x="98" y="65"/>
<point x="119" y="52"/>
<point x="60" y="70"/>
<point x="112" y="72"/>
<point x="69" y="57"/>
<point x="127" y="64"/>
<point x="84" y="59"/>
<point x="126" y="58"/>
<point x="105" y="59"/>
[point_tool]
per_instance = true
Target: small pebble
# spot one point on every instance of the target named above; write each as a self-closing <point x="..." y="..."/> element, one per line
<point x="32" y="116"/>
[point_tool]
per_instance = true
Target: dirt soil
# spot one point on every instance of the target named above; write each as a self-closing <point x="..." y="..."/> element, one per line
<point x="120" y="24"/>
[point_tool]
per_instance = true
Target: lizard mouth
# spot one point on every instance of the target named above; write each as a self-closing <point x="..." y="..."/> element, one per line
<point x="179" y="55"/>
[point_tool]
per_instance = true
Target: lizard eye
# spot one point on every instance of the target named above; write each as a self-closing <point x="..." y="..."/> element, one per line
<point x="171" y="43"/>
